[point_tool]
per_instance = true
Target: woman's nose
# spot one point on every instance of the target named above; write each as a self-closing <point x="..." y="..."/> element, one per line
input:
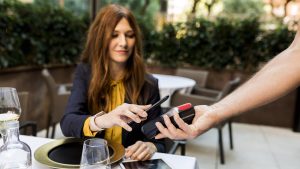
<point x="122" y="41"/>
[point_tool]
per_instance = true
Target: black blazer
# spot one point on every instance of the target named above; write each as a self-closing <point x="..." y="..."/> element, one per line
<point x="77" y="109"/>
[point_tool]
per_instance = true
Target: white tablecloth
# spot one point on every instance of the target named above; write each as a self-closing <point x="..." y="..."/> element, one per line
<point x="174" y="161"/>
<point x="168" y="84"/>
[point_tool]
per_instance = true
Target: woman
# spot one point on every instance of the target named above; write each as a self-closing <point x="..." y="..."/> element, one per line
<point x="111" y="87"/>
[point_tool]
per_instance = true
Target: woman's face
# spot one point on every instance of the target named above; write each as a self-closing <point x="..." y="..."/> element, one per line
<point x="122" y="42"/>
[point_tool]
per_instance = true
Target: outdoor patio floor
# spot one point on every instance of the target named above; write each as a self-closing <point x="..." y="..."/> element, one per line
<point x="255" y="147"/>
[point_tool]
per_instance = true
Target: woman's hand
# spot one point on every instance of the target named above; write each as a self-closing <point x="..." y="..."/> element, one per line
<point x="204" y="119"/>
<point x="140" y="151"/>
<point x="122" y="115"/>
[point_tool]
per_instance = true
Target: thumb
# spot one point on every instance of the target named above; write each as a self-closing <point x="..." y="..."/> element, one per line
<point x="200" y="110"/>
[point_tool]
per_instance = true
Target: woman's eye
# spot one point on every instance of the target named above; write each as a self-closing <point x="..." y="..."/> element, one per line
<point x="114" y="35"/>
<point x="130" y="35"/>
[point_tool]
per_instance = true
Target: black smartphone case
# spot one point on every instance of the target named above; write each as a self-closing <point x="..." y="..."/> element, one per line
<point x="150" y="130"/>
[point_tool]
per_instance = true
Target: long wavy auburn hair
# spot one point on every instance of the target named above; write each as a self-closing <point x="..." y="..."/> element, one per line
<point x="96" y="53"/>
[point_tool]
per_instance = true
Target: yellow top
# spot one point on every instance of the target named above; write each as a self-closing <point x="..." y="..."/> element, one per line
<point x="118" y="97"/>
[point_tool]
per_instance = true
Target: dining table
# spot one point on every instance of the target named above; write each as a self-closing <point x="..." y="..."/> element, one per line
<point x="168" y="84"/>
<point x="174" y="161"/>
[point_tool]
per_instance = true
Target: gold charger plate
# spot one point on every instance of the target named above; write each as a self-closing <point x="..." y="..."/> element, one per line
<point x="66" y="153"/>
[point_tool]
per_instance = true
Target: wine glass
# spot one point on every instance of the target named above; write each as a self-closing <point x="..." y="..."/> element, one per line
<point x="10" y="109"/>
<point x="95" y="154"/>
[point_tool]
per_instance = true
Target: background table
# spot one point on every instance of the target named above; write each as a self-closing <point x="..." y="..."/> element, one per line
<point x="174" y="161"/>
<point x="168" y="84"/>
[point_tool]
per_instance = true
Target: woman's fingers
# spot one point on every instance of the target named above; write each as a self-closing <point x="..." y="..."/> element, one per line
<point x="132" y="112"/>
<point x="132" y="116"/>
<point x="140" y="150"/>
<point x="143" y="154"/>
<point x="139" y="110"/>
<point x="124" y="125"/>
<point x="141" y="147"/>
<point x="131" y="149"/>
<point x="127" y="152"/>
<point x="123" y="114"/>
<point x="147" y="157"/>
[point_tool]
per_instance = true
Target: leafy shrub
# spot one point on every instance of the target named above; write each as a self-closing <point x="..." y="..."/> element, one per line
<point x="273" y="42"/>
<point x="224" y="43"/>
<point x="195" y="42"/>
<point x="166" y="47"/>
<point x="38" y="35"/>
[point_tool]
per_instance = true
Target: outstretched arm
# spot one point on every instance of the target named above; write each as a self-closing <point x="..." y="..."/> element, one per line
<point x="278" y="77"/>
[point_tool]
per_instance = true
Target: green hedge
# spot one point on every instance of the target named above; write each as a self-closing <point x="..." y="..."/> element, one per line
<point x="224" y="43"/>
<point x="39" y="35"/>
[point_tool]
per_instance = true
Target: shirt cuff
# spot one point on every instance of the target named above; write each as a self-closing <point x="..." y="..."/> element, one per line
<point x="86" y="129"/>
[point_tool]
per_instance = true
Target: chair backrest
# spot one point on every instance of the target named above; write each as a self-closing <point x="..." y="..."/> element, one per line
<point x="52" y="88"/>
<point x="200" y="76"/>
<point x="57" y="100"/>
<point x="23" y="98"/>
<point x="229" y="87"/>
<point x="25" y="122"/>
<point x="179" y="98"/>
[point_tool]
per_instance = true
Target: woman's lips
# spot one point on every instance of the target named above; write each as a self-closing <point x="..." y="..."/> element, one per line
<point x="122" y="52"/>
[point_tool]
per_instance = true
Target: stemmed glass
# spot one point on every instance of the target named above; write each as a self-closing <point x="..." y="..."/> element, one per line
<point x="10" y="109"/>
<point x="13" y="153"/>
<point x="95" y="154"/>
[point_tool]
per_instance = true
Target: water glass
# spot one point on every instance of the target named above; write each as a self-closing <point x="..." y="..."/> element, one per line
<point x="95" y="154"/>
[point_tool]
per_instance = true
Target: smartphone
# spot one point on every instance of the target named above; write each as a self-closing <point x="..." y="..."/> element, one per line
<point x="158" y="103"/>
<point x="153" y="106"/>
